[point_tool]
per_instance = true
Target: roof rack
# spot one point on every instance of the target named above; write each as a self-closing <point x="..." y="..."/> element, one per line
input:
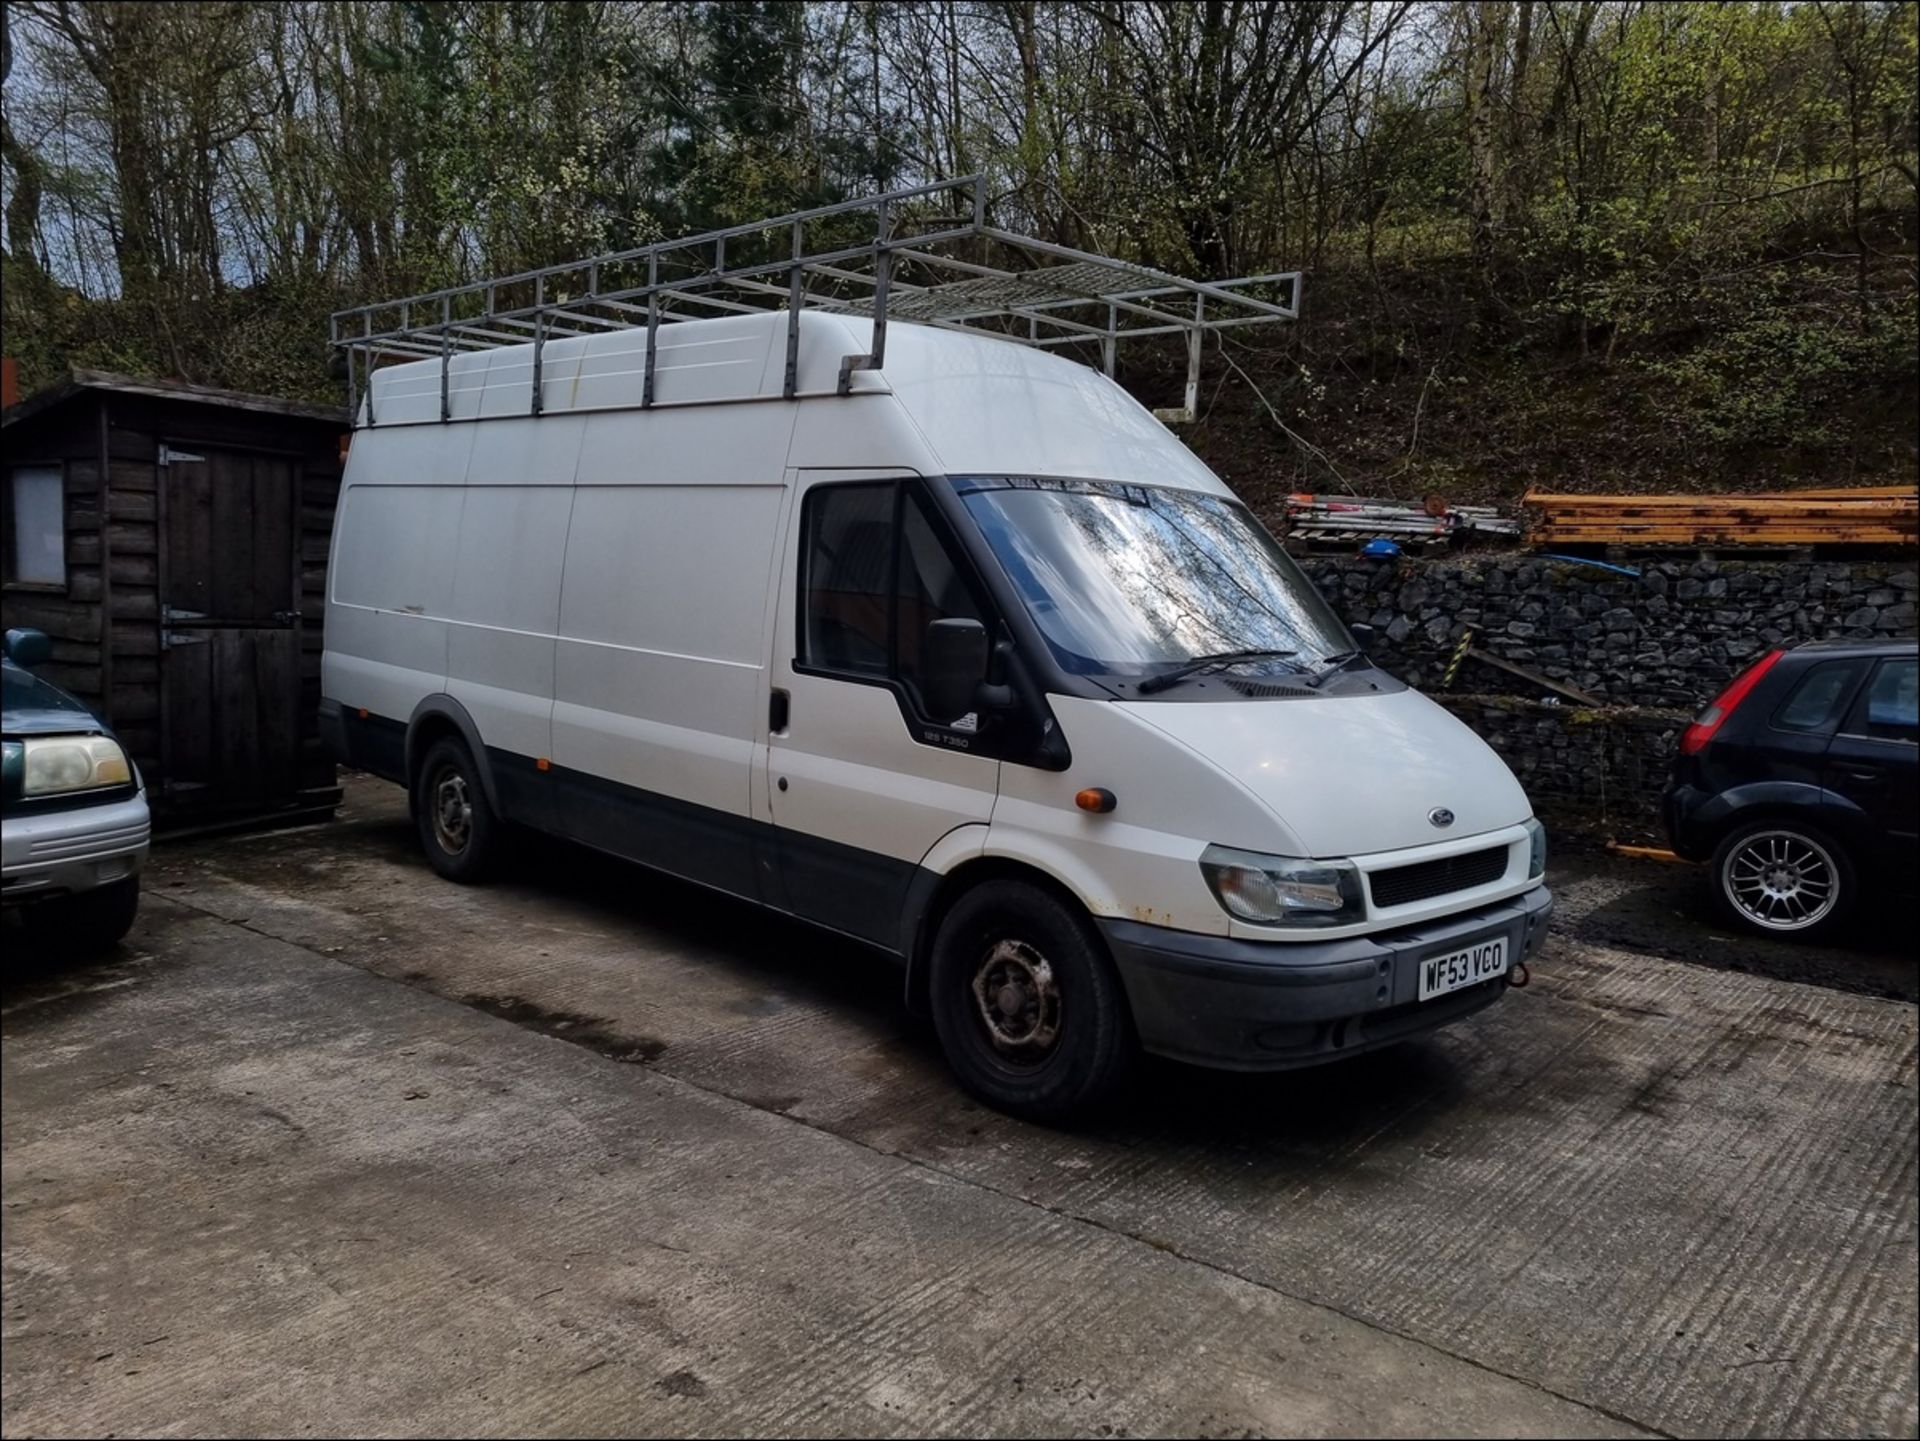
<point x="903" y="254"/>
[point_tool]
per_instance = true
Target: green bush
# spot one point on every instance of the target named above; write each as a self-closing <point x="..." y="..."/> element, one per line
<point x="1770" y="372"/>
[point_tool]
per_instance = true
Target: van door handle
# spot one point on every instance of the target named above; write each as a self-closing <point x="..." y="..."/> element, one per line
<point x="779" y="709"/>
<point x="1862" y="773"/>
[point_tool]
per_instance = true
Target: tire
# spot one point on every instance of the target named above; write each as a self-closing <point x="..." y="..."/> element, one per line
<point x="1027" y="1005"/>
<point x="86" y="922"/>
<point x="458" y="829"/>
<point x="1783" y="878"/>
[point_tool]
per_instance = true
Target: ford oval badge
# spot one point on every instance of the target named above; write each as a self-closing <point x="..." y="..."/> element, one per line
<point x="1440" y="816"/>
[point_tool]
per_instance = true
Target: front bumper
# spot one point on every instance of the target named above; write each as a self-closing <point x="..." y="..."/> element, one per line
<point x="1271" y="1006"/>
<point x="74" y="849"/>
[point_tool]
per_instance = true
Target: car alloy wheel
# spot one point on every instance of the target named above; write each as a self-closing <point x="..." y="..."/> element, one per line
<point x="1781" y="880"/>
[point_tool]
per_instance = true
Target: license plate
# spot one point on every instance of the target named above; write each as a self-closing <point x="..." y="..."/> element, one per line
<point x="1441" y="974"/>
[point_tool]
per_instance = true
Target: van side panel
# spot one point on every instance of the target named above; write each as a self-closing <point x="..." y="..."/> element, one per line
<point x="506" y="597"/>
<point x="388" y="592"/>
<point x="660" y="666"/>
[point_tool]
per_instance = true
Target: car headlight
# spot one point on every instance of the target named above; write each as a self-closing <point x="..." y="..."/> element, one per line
<point x="1536" y="850"/>
<point x="1281" y="890"/>
<point x="52" y="765"/>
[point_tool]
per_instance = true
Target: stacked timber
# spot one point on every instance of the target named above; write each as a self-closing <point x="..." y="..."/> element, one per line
<point x="1360" y="517"/>
<point x="1888" y="515"/>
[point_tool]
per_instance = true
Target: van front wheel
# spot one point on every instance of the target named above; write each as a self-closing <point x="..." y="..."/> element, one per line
<point x="458" y="830"/>
<point x="1028" y="1008"/>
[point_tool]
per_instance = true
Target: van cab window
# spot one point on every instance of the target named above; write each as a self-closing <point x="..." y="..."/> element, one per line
<point x="846" y="613"/>
<point x="877" y="575"/>
<point x="932" y="587"/>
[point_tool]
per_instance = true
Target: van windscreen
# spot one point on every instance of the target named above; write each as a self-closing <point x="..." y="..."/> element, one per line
<point x="1133" y="580"/>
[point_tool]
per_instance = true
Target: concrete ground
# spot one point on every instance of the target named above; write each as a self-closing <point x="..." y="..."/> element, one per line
<point x="1662" y="908"/>
<point x="333" y="1145"/>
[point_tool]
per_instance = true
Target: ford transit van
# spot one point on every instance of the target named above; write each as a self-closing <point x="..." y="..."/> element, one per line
<point x="975" y="664"/>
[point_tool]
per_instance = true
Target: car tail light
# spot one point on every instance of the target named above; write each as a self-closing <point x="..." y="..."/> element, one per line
<point x="1709" y="721"/>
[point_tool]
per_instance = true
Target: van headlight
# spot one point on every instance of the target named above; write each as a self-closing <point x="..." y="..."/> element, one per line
<point x="52" y="765"/>
<point x="1282" y="890"/>
<point x="1536" y="850"/>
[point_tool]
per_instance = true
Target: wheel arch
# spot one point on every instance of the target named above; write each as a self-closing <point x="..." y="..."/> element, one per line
<point x="1786" y="802"/>
<point x="938" y="893"/>
<point x="442" y="715"/>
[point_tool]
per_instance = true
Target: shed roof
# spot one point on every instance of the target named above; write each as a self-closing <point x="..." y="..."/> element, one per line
<point x="79" y="381"/>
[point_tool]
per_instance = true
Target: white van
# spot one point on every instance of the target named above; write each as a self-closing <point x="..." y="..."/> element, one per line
<point x="977" y="665"/>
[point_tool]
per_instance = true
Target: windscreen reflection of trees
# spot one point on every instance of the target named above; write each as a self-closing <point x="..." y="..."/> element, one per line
<point x="1119" y="584"/>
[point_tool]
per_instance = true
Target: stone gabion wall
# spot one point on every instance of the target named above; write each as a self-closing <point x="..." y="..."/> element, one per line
<point x="1652" y="648"/>
<point x="1670" y="637"/>
<point x="1597" y="772"/>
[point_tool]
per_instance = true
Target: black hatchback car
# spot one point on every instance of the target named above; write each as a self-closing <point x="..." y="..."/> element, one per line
<point x="1798" y="783"/>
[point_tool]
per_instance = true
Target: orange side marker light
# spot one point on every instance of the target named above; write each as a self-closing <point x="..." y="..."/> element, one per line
<point x="1096" y="799"/>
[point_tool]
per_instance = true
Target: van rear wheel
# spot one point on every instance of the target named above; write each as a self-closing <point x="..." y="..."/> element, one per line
<point x="1027" y="1005"/>
<point x="458" y="830"/>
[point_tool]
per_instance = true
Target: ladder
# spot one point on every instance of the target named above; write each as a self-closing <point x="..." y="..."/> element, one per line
<point x="924" y="253"/>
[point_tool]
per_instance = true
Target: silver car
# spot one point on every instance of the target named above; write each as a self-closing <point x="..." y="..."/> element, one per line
<point x="73" y="810"/>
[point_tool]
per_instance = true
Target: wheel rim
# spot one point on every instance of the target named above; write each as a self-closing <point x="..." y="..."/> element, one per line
<point x="452" y="811"/>
<point x="1018" y="1002"/>
<point x="1781" y="880"/>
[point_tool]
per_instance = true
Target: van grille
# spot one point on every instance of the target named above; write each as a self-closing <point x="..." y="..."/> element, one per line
<point x="1403" y="885"/>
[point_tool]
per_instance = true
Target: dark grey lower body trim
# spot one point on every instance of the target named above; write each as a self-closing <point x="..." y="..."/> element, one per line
<point x="694" y="842"/>
<point x="370" y="743"/>
<point x="1271" y="1006"/>
<point x="857" y="892"/>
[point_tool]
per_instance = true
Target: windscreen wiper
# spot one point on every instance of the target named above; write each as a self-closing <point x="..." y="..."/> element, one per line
<point x="1206" y="663"/>
<point x="1331" y="666"/>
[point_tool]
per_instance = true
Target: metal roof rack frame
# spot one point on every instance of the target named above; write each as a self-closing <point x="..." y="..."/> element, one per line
<point x="913" y="262"/>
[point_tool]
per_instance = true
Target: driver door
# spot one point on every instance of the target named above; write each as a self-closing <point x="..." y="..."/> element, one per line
<point x="860" y="783"/>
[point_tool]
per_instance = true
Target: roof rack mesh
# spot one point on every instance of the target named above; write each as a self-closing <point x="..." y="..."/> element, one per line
<point x="924" y="254"/>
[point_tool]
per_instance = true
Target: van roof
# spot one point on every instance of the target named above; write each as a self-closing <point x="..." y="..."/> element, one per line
<point x="983" y="406"/>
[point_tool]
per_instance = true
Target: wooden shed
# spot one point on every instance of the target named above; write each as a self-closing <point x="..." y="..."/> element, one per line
<point x="171" y="540"/>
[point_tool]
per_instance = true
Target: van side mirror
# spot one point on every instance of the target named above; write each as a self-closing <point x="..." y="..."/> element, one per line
<point x="28" y="647"/>
<point x="1362" y="636"/>
<point x="953" y="664"/>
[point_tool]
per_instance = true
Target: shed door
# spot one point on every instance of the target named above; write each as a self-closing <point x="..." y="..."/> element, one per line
<point x="230" y="618"/>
